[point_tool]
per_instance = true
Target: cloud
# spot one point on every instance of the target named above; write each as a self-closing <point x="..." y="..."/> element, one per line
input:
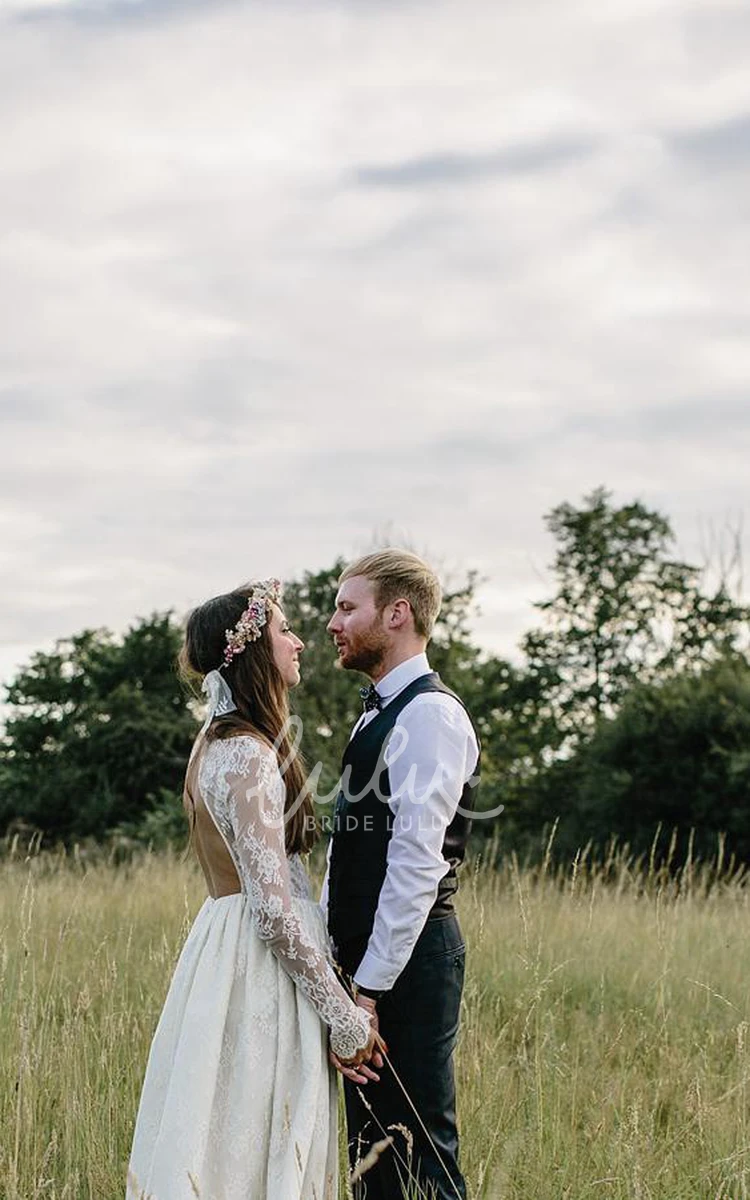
<point x="723" y="144"/>
<point x="276" y="276"/>
<point x="106" y="12"/>
<point x="457" y="168"/>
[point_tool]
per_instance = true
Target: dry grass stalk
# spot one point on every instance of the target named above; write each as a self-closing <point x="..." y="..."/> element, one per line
<point x="368" y="1162"/>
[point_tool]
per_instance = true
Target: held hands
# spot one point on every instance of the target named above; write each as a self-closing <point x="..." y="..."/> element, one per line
<point x="357" y="1068"/>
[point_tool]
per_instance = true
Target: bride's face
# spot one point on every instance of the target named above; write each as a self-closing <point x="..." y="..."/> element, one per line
<point x="286" y="647"/>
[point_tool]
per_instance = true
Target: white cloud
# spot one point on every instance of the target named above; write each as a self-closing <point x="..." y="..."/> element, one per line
<point x="274" y="276"/>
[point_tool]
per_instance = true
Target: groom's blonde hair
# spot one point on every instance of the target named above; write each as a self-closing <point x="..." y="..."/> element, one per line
<point x="400" y="575"/>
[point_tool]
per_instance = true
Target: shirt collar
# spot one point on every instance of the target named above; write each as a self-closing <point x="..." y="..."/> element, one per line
<point x="401" y="676"/>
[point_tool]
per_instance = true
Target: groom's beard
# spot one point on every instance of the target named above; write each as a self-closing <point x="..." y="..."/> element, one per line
<point x="366" y="652"/>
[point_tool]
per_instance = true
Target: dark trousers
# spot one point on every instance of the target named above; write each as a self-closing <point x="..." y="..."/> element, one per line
<point x="419" y="1022"/>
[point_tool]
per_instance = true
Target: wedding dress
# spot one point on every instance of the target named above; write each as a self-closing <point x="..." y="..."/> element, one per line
<point x="239" y="1101"/>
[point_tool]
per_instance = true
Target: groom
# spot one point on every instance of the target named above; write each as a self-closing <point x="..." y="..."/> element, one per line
<point x="399" y="833"/>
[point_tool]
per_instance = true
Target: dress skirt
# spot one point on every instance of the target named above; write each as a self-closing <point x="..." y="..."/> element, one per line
<point x="239" y="1101"/>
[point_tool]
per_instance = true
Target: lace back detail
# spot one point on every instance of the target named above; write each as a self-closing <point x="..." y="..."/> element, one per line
<point x="242" y="788"/>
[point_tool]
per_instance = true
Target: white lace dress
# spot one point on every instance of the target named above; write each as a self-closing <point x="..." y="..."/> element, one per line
<point x="239" y="1101"/>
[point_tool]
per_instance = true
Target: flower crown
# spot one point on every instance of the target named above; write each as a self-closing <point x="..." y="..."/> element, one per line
<point x="255" y="616"/>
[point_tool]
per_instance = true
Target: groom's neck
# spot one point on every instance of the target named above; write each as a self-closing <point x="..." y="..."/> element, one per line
<point x="395" y="656"/>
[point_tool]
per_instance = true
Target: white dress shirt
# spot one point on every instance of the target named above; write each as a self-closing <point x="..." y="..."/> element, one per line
<point x="431" y="755"/>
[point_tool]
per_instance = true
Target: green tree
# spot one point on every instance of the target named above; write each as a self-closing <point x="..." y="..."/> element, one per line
<point x="625" y="611"/>
<point x="504" y="704"/>
<point x="98" y="733"/>
<point x="676" y="757"/>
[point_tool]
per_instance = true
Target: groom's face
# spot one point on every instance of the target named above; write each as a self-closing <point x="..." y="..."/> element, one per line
<point x="358" y="626"/>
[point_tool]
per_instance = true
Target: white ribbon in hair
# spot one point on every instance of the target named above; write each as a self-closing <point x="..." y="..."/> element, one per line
<point x="219" y="695"/>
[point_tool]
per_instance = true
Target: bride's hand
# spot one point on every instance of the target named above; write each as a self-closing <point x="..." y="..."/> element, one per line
<point x="356" y="1068"/>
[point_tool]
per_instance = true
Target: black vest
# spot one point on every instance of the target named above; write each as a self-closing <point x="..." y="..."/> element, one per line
<point x="363" y="823"/>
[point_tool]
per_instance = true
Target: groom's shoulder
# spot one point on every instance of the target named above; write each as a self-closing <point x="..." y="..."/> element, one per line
<point x="434" y="698"/>
<point x="437" y="687"/>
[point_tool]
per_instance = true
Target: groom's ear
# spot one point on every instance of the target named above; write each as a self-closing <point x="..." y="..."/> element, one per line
<point x="400" y="614"/>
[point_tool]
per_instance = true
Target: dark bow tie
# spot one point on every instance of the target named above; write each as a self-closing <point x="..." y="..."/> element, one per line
<point x="371" y="698"/>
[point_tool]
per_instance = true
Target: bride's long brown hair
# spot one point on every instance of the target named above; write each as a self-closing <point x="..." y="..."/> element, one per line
<point x="260" y="693"/>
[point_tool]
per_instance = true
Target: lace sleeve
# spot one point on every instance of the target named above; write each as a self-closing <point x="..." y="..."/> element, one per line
<point x="256" y="813"/>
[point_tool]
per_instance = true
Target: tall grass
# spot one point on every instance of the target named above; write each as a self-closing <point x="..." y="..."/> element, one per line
<point x="604" y="1048"/>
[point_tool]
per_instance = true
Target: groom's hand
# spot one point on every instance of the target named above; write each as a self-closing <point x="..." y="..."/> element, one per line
<point x="359" y="1074"/>
<point x="371" y="1008"/>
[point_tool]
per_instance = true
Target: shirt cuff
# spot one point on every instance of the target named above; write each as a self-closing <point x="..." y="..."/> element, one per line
<point x="373" y="973"/>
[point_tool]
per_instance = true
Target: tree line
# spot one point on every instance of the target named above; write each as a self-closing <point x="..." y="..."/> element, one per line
<point x="627" y="714"/>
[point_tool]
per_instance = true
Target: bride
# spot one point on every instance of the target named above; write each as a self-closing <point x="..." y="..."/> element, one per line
<point x="239" y="1101"/>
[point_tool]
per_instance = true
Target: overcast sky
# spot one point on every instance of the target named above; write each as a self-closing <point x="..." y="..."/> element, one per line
<point x="278" y="277"/>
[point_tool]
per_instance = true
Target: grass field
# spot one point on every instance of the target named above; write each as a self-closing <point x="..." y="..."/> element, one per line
<point x="605" y="1048"/>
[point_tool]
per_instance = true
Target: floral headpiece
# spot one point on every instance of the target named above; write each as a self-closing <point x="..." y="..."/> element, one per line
<point x="255" y="616"/>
